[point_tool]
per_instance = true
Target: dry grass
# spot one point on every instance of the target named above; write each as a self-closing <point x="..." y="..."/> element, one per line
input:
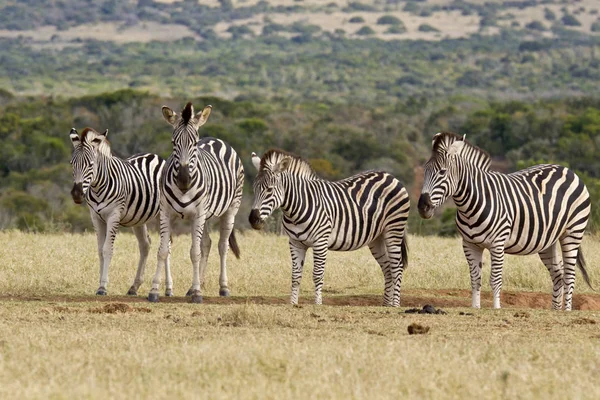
<point x="51" y="349"/>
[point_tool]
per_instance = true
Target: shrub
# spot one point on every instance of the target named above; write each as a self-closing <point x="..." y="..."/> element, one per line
<point x="536" y="26"/>
<point x="388" y="20"/>
<point x="396" y="29"/>
<point x="549" y="14"/>
<point x="427" y="28"/>
<point x="570" y="20"/>
<point x="595" y="26"/>
<point x="356" y="20"/>
<point x="365" y="30"/>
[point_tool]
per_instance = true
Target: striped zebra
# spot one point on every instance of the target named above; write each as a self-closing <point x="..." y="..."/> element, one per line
<point x="370" y="208"/>
<point x="118" y="193"/>
<point x="543" y="209"/>
<point x="203" y="178"/>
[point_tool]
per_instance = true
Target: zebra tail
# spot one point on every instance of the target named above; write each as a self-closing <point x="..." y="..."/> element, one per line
<point x="404" y="249"/>
<point x="581" y="265"/>
<point x="233" y="245"/>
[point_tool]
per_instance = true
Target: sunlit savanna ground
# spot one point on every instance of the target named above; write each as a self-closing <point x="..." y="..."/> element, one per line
<point x="56" y="341"/>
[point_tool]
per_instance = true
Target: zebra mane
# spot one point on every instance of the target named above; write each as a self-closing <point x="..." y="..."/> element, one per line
<point x="89" y="134"/>
<point x="443" y="140"/>
<point x="298" y="166"/>
<point x="187" y="113"/>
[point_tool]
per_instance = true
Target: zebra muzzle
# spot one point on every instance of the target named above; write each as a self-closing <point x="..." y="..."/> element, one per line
<point x="255" y="220"/>
<point x="425" y="206"/>
<point x="77" y="193"/>
<point x="183" y="178"/>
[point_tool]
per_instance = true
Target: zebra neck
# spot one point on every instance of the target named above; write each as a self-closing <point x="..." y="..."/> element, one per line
<point x="104" y="166"/>
<point x="298" y="195"/>
<point x="471" y="189"/>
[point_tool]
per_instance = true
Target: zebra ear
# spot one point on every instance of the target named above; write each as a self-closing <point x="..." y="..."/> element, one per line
<point x="256" y="161"/>
<point x="169" y="115"/>
<point x="282" y="165"/>
<point x="456" y="147"/>
<point x="202" y="116"/>
<point x="105" y="134"/>
<point x="435" y="137"/>
<point x="75" y="140"/>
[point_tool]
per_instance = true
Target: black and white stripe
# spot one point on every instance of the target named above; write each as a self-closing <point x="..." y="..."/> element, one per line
<point x="370" y="208"/>
<point x="118" y="193"/>
<point x="203" y="178"/>
<point x="543" y="209"/>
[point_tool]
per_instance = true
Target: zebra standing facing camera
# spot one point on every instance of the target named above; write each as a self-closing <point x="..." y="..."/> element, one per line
<point x="543" y="209"/>
<point x="118" y="193"/>
<point x="203" y="178"/>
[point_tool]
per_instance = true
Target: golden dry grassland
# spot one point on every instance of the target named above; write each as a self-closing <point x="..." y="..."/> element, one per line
<point x="58" y="340"/>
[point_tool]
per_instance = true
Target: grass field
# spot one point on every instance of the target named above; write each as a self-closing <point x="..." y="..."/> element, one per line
<point x="58" y="340"/>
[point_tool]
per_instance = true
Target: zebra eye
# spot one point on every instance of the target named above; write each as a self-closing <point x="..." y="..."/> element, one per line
<point x="442" y="172"/>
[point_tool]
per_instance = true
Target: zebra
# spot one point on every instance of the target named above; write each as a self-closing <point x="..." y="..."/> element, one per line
<point x="370" y="208"/>
<point x="543" y="209"/>
<point x="203" y="178"/>
<point x="118" y="193"/>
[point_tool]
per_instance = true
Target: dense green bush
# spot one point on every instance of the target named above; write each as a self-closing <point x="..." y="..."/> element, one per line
<point x="389" y="20"/>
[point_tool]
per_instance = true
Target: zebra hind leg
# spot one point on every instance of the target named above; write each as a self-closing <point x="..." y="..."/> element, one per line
<point x="395" y="253"/>
<point x="379" y="251"/>
<point x="570" y="253"/>
<point x="226" y="230"/>
<point x="141" y="233"/>
<point x="552" y="259"/>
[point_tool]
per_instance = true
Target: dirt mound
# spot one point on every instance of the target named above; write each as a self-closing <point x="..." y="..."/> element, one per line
<point x="409" y="298"/>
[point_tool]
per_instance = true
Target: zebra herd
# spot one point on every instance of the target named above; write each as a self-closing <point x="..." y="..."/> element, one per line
<point x="543" y="209"/>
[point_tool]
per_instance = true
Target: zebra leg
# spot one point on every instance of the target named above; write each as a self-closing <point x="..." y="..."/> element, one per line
<point x="298" y="252"/>
<point x="227" y="221"/>
<point x="205" y="246"/>
<point x="570" y="249"/>
<point x="163" y="256"/>
<point x="100" y="228"/>
<point x="552" y="259"/>
<point x="474" y="256"/>
<point x="141" y="233"/>
<point x="196" y="253"/>
<point x="319" y="256"/>
<point x="497" y="256"/>
<point x="112" y="226"/>
<point x="393" y="241"/>
<point x="379" y="251"/>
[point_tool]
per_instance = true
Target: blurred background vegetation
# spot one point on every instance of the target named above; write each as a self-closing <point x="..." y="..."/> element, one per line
<point x="523" y="83"/>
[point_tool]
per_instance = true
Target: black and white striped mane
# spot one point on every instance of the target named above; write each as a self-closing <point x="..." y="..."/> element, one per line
<point x="298" y="165"/>
<point x="187" y="113"/>
<point x="89" y="134"/>
<point x="442" y="141"/>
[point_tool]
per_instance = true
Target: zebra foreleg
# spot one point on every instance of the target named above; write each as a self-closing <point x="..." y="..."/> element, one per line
<point x="497" y="256"/>
<point x="196" y="253"/>
<point x="378" y="250"/>
<point x="112" y="226"/>
<point x="141" y="233"/>
<point x="100" y="228"/>
<point x="298" y="253"/>
<point x="163" y="257"/>
<point x="552" y="259"/>
<point x="320" y="257"/>
<point x="474" y="256"/>
<point x="205" y="245"/>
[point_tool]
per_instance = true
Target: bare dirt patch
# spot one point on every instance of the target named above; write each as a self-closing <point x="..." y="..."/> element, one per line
<point x="410" y="298"/>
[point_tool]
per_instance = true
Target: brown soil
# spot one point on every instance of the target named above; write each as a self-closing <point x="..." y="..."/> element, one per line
<point x="410" y="298"/>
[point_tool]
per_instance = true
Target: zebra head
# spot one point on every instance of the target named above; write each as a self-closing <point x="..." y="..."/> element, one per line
<point x="441" y="173"/>
<point x="185" y="144"/>
<point x="83" y="160"/>
<point x="268" y="187"/>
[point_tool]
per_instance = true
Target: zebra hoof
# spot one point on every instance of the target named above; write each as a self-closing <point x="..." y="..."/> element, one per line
<point x="153" y="297"/>
<point x="132" y="291"/>
<point x="224" y="292"/>
<point x="101" y="292"/>
<point x="189" y="293"/>
<point x="169" y="292"/>
<point x="196" y="298"/>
